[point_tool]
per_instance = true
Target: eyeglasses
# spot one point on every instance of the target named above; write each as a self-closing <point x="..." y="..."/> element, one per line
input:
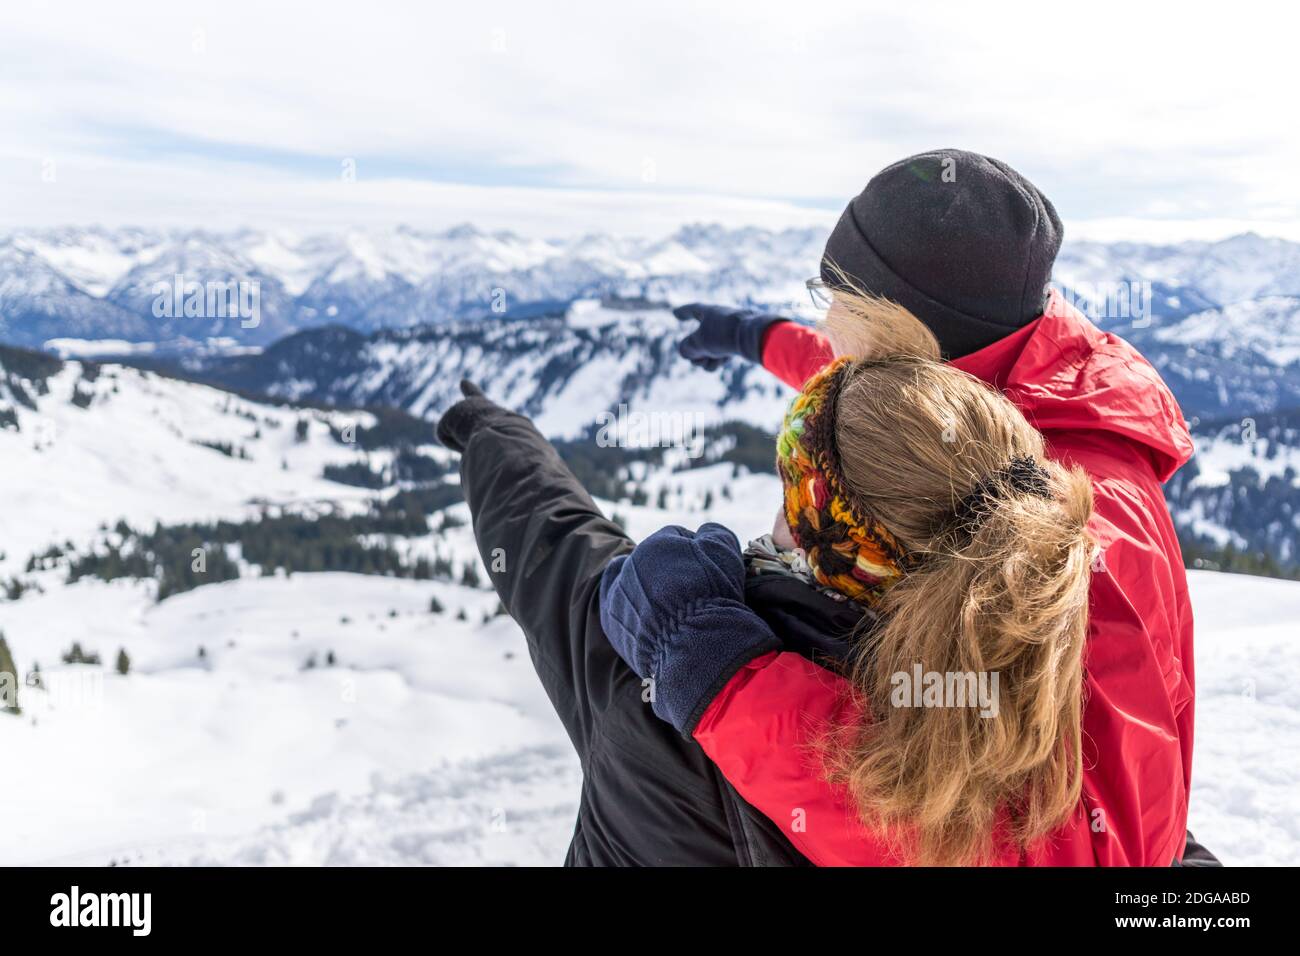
<point x="820" y="293"/>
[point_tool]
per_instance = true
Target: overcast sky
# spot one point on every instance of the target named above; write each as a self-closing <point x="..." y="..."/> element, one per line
<point x="1137" y="119"/>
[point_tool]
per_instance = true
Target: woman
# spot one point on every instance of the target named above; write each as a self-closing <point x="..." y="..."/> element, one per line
<point x="924" y="497"/>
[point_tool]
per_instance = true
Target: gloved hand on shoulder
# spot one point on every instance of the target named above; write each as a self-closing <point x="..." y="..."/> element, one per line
<point x="674" y="610"/>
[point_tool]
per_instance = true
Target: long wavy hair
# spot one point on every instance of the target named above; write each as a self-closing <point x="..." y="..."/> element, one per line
<point x="1001" y="590"/>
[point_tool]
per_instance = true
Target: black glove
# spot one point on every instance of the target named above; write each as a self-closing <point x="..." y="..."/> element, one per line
<point x="459" y="422"/>
<point x="722" y="333"/>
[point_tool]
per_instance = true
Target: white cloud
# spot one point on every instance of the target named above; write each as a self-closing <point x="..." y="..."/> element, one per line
<point x="153" y="112"/>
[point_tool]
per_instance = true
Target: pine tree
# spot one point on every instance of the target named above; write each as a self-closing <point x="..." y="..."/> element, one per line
<point x="123" y="662"/>
<point x="76" y="655"/>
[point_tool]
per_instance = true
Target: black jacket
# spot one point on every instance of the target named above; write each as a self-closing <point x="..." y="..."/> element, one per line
<point x="649" y="795"/>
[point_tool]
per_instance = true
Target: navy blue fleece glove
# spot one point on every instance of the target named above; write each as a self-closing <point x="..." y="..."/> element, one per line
<point x="722" y="333"/>
<point x="674" y="610"/>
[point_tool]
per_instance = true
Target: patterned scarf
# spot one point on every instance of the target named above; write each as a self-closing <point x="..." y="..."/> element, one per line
<point x="846" y="548"/>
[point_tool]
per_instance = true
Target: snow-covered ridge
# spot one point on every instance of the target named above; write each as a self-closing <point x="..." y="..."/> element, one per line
<point x="569" y="371"/>
<point x="1242" y="487"/>
<point x="564" y="371"/>
<point x="368" y="279"/>
<point x="1236" y="269"/>
<point x="89" y="283"/>
<point x="1267" y="326"/>
<point x="86" y="444"/>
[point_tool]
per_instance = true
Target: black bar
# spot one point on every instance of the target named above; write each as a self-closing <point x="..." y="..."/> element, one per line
<point x="360" y="906"/>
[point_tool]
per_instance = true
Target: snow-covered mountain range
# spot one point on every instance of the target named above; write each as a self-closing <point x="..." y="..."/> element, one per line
<point x="1219" y="319"/>
<point x="91" y="283"/>
<point x="568" y="329"/>
<point x="94" y="283"/>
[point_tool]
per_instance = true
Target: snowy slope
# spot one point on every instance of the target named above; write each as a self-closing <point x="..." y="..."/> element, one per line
<point x="1236" y="269"/>
<point x="181" y="751"/>
<point x="133" y="453"/>
<point x="429" y="740"/>
<point x="563" y="370"/>
<point x="1246" y="769"/>
<point x="1269" y="327"/>
<point x="1242" y="487"/>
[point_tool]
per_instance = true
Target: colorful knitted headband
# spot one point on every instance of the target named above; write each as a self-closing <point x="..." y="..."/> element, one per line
<point x="846" y="548"/>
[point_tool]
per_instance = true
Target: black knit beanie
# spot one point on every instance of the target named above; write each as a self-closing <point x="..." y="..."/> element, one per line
<point x="962" y="240"/>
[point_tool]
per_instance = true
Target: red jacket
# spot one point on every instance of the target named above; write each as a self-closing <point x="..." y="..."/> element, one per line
<point x="1100" y="405"/>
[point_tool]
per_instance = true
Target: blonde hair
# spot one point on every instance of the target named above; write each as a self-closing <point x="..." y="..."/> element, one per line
<point x="862" y="325"/>
<point x="1005" y="592"/>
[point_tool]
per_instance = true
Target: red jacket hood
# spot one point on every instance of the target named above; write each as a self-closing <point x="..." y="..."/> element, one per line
<point x="1065" y="374"/>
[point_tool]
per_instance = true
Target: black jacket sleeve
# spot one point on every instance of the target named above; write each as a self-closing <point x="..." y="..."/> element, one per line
<point x="649" y="795"/>
<point x="544" y="543"/>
